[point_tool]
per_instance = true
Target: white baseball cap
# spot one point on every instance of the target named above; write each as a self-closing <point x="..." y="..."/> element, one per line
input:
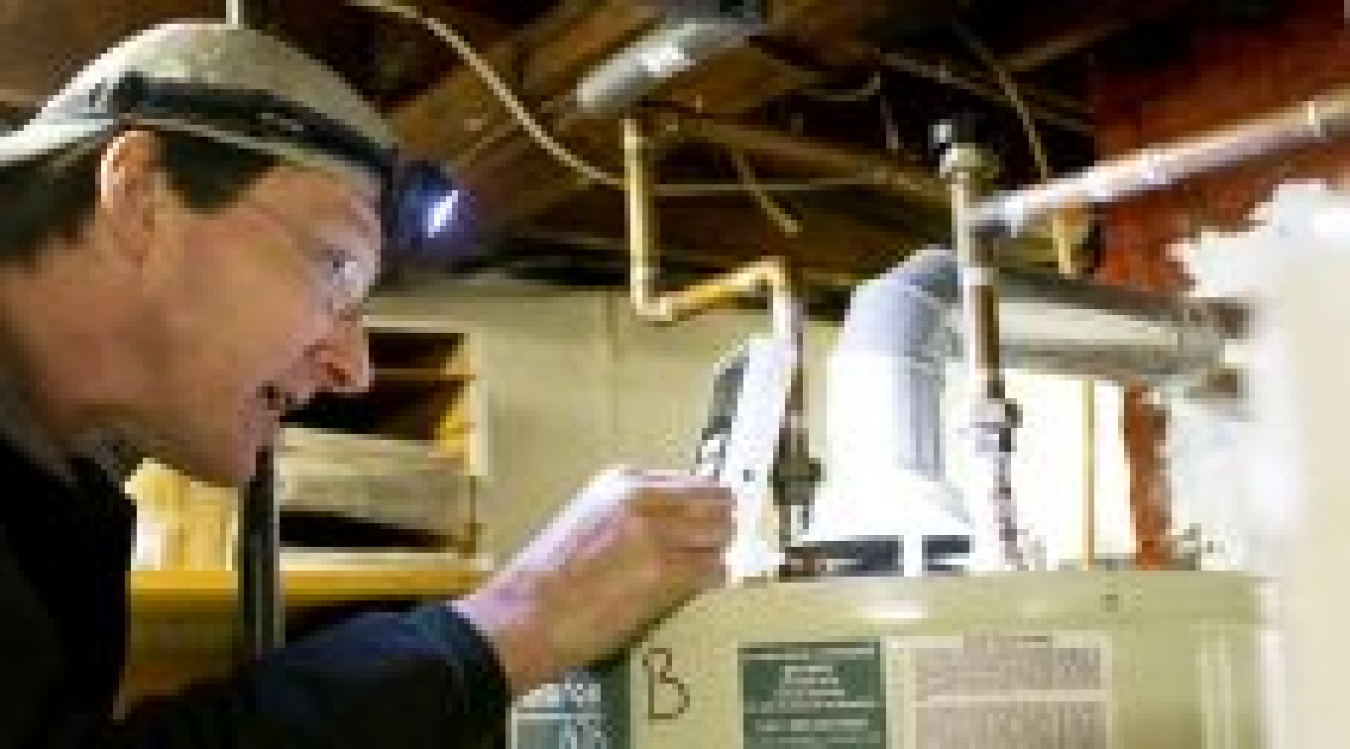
<point x="225" y="82"/>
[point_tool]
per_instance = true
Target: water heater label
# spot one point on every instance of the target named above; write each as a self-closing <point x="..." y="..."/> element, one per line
<point x="1007" y="690"/>
<point x="585" y="710"/>
<point x="813" y="695"/>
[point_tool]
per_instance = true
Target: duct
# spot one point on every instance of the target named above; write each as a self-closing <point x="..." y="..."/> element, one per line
<point x="1055" y="324"/>
<point x="885" y="376"/>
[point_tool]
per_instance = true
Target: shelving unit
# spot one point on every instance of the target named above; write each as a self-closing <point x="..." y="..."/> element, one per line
<point x="183" y="622"/>
<point x="418" y="416"/>
<point x="420" y="408"/>
<point x="422" y="391"/>
<point x="212" y="592"/>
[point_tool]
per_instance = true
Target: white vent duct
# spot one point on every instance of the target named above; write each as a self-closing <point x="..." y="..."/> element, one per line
<point x="885" y="378"/>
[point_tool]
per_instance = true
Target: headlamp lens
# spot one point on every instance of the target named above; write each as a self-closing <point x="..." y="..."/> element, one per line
<point x="424" y="215"/>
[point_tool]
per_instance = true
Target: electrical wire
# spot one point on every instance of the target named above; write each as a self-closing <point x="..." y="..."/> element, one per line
<point x="498" y="86"/>
<point x="811" y="184"/>
<point x="1058" y="233"/>
<point x="866" y="91"/>
<point x="890" y="130"/>
<point x="537" y="131"/>
<point x="776" y="213"/>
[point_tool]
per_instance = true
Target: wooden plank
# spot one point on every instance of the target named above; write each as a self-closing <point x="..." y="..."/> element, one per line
<point x="183" y="625"/>
<point x="155" y="591"/>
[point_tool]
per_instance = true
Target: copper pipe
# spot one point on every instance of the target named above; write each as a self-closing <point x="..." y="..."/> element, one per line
<point x="1144" y="430"/>
<point x="1320" y="119"/>
<point x="967" y="169"/>
<point x="883" y="169"/>
<point x="241" y="12"/>
<point x="993" y="415"/>
<point x="640" y="202"/>
<point x="766" y="277"/>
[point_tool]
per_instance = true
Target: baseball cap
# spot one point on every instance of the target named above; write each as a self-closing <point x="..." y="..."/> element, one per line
<point x="221" y="81"/>
<point x="243" y="87"/>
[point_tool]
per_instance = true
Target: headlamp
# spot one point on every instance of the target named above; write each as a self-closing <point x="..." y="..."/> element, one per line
<point x="424" y="214"/>
<point x="422" y="211"/>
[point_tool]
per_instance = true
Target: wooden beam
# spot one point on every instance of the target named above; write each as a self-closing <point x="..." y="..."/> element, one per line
<point x="512" y="179"/>
<point x="901" y="173"/>
<point x="729" y="231"/>
<point x="46" y="41"/>
<point x="1089" y="25"/>
<point x="16" y="99"/>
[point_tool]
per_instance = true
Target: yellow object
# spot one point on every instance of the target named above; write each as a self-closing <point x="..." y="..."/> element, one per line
<point x="163" y="591"/>
<point x="182" y="524"/>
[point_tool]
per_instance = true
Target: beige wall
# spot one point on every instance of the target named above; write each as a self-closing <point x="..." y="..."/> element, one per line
<point x="570" y="382"/>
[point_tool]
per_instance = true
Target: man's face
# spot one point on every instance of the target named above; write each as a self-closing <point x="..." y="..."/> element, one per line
<point x="256" y="312"/>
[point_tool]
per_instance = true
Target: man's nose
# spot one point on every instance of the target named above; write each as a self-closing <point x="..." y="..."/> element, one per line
<point x="343" y="357"/>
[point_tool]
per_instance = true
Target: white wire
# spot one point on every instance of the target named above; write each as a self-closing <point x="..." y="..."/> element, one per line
<point x="862" y="93"/>
<point x="1063" y="247"/>
<point x="775" y="213"/>
<point x="502" y="90"/>
<point x="695" y="189"/>
<point x="499" y="88"/>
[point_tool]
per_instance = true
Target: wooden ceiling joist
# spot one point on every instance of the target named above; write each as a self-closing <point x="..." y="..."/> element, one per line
<point x="512" y="179"/>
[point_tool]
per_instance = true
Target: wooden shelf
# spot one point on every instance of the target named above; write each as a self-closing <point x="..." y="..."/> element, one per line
<point x="154" y="591"/>
<point x="184" y="625"/>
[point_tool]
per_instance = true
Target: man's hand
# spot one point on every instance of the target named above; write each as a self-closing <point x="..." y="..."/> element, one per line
<point x="629" y="549"/>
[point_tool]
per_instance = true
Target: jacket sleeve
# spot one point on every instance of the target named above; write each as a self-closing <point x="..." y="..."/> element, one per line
<point x="383" y="681"/>
<point x="25" y="644"/>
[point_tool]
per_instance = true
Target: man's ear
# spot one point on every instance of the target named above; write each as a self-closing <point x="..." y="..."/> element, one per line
<point x="128" y="177"/>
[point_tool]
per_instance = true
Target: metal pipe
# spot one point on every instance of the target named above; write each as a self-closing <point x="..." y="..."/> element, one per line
<point x="769" y="277"/>
<point x="262" y="618"/>
<point x="240" y="12"/>
<point x="979" y="296"/>
<point x="640" y="202"/>
<point x="993" y="415"/>
<point x="261" y="610"/>
<point x="1315" y="120"/>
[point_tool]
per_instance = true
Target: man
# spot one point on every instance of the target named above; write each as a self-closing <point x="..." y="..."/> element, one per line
<point x="186" y="234"/>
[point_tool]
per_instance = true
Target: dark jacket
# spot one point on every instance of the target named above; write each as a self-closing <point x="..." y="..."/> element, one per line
<point x="383" y="681"/>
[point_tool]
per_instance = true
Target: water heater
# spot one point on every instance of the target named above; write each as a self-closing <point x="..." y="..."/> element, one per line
<point x="1068" y="660"/>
